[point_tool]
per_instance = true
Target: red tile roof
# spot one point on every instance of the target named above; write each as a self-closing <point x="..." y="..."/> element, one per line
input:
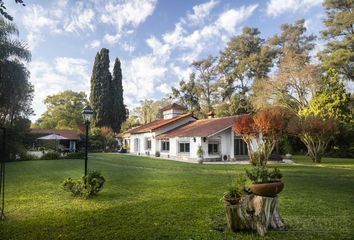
<point x="69" y="134"/>
<point x="173" y="106"/>
<point x="200" y="128"/>
<point x="158" y="124"/>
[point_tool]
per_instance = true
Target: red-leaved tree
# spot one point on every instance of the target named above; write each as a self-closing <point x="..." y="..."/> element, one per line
<point x="314" y="132"/>
<point x="262" y="131"/>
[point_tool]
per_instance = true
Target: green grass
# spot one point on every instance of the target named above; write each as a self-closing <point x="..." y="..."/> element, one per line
<point x="345" y="163"/>
<point x="148" y="198"/>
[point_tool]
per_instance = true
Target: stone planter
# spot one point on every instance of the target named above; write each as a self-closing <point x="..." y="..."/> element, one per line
<point x="267" y="189"/>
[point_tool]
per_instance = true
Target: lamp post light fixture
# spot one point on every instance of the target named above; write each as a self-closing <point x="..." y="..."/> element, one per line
<point x="87" y="114"/>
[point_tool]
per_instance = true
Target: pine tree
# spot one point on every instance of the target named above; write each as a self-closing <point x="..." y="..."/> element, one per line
<point x="118" y="114"/>
<point x="100" y="89"/>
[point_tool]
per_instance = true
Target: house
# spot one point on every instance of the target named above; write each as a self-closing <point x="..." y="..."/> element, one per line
<point x="179" y="136"/>
<point x="72" y="137"/>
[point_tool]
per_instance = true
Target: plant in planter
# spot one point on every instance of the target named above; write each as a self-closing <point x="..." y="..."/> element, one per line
<point x="265" y="182"/>
<point x="200" y="154"/>
<point x="236" y="190"/>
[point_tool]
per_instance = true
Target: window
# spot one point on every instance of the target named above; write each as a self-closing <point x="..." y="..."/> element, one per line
<point x="165" y="145"/>
<point x="148" y="143"/>
<point x="240" y="147"/>
<point x="184" y="147"/>
<point x="213" y="148"/>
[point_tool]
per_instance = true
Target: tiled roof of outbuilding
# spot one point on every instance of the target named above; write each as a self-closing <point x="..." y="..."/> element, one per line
<point x="69" y="134"/>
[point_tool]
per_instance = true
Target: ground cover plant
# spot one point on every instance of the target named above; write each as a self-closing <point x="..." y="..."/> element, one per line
<point x="146" y="198"/>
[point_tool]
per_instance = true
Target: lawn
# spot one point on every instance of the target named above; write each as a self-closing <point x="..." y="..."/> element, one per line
<point x="148" y="198"/>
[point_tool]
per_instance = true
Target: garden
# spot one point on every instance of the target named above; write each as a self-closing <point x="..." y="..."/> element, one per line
<point x="145" y="198"/>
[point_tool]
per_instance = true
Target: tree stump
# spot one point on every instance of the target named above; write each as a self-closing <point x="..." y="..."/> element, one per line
<point x="255" y="213"/>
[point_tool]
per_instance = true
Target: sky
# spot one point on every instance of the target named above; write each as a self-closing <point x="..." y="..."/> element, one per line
<point x="155" y="40"/>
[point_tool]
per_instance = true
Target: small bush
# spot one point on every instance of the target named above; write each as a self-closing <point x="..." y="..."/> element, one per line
<point x="85" y="187"/>
<point x="75" y="155"/>
<point x="28" y="157"/>
<point x="51" y="156"/>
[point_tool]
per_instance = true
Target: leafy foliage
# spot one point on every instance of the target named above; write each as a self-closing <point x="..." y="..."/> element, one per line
<point x="314" y="132"/>
<point x="51" y="155"/>
<point x="261" y="174"/>
<point x="237" y="188"/>
<point x="339" y="33"/>
<point x="85" y="187"/>
<point x="262" y="131"/>
<point x="64" y="111"/>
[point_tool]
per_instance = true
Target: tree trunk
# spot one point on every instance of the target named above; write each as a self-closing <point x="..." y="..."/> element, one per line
<point x="255" y="213"/>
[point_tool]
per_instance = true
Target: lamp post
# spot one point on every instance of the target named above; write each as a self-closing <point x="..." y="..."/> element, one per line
<point x="87" y="114"/>
<point x="2" y="174"/>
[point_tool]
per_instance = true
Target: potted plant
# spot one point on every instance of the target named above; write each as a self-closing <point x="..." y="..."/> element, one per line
<point x="265" y="182"/>
<point x="200" y="154"/>
<point x="236" y="190"/>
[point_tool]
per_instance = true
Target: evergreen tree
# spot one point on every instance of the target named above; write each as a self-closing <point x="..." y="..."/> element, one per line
<point x="339" y="32"/>
<point x="118" y="115"/>
<point x="100" y="89"/>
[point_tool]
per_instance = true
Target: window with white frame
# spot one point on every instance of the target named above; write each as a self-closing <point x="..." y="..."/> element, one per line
<point x="184" y="147"/>
<point x="165" y="145"/>
<point x="213" y="147"/>
<point x="148" y="144"/>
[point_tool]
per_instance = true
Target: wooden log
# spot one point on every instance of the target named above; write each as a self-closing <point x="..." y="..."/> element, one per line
<point x="255" y="213"/>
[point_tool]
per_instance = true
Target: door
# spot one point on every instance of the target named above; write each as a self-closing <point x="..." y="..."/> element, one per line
<point x="240" y="147"/>
<point x="136" y="145"/>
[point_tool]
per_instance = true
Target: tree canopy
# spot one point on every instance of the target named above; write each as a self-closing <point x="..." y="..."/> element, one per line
<point x="64" y="111"/>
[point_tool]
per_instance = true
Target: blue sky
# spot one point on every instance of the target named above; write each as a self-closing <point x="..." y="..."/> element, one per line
<point x="155" y="40"/>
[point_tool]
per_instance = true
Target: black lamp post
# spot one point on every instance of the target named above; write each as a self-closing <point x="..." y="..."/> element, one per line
<point x="2" y="173"/>
<point x="87" y="113"/>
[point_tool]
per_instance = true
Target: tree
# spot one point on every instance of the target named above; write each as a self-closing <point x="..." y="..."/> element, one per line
<point x="3" y="9"/>
<point x="245" y="59"/>
<point x="332" y="102"/>
<point x="148" y="111"/>
<point x="64" y="111"/>
<point x="119" y="114"/>
<point x="206" y="81"/>
<point x="296" y="79"/>
<point x="187" y="94"/>
<point x="314" y="132"/>
<point x="262" y="131"/>
<point x="16" y="92"/>
<point x="100" y="89"/>
<point x="339" y="34"/>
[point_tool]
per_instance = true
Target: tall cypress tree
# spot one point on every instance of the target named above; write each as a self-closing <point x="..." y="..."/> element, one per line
<point x="100" y="89"/>
<point x="118" y="115"/>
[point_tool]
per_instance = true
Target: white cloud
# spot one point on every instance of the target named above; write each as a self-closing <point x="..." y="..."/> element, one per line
<point x="164" y="88"/>
<point x="228" y="20"/>
<point x="127" y="14"/>
<point x="94" y="44"/>
<point x="111" y="39"/>
<point x="128" y="47"/>
<point x="141" y="76"/>
<point x="278" y="7"/>
<point x="81" y="21"/>
<point x="36" y="19"/>
<point x="157" y="47"/>
<point x="52" y="77"/>
<point x="200" y="12"/>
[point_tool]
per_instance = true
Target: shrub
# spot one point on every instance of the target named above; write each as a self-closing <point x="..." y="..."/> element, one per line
<point x="85" y="187"/>
<point x="261" y="174"/>
<point x="28" y="157"/>
<point x="75" y="155"/>
<point x="51" y="156"/>
<point x="237" y="188"/>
